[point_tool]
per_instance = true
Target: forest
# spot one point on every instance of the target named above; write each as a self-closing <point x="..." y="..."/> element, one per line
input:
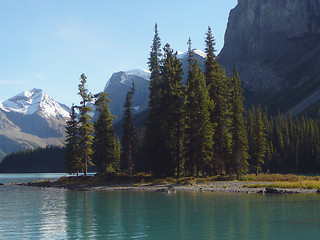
<point x="49" y="159"/>
<point x="197" y="128"/>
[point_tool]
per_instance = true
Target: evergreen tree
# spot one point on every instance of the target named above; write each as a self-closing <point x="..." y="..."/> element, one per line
<point x="154" y="144"/>
<point x="239" y="145"/>
<point x="259" y="138"/>
<point x="117" y="152"/>
<point x="155" y="69"/>
<point x="72" y="160"/>
<point x="217" y="84"/>
<point x="104" y="140"/>
<point x="171" y="111"/>
<point x="129" y="138"/>
<point x="199" y="129"/>
<point x="85" y="125"/>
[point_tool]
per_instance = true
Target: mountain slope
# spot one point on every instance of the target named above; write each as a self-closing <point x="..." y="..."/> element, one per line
<point x="275" y="47"/>
<point x="31" y="119"/>
<point x="120" y="83"/>
<point x="118" y="86"/>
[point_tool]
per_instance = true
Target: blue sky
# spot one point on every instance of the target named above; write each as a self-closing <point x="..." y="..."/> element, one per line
<point x="47" y="44"/>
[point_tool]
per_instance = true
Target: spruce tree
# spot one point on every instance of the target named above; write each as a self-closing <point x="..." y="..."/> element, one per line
<point x="155" y="70"/>
<point x="259" y="140"/>
<point x="117" y="153"/>
<point x="85" y="125"/>
<point x="171" y="109"/>
<point x="72" y="159"/>
<point x="239" y="144"/>
<point x="129" y="137"/>
<point x="199" y="129"/>
<point x="104" y="146"/>
<point x="217" y="84"/>
<point x="153" y="138"/>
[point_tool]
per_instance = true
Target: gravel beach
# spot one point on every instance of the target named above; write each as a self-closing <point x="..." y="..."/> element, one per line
<point x="216" y="186"/>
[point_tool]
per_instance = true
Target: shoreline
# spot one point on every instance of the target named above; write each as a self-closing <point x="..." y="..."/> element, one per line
<point x="215" y="186"/>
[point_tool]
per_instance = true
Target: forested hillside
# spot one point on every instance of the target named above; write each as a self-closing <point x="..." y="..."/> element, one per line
<point x="49" y="159"/>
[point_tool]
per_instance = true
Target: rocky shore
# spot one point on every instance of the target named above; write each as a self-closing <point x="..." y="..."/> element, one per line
<point x="216" y="186"/>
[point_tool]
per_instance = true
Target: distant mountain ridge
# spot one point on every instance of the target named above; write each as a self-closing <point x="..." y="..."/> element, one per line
<point x="31" y="119"/>
<point x="120" y="83"/>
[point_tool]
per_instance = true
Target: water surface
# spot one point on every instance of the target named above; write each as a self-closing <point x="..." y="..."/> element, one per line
<point x="48" y="213"/>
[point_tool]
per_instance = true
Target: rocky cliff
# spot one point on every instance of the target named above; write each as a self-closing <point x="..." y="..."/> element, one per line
<point x="275" y="45"/>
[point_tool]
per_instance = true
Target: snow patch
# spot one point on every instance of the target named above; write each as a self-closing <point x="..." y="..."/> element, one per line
<point x="29" y="102"/>
<point x="136" y="108"/>
<point x="195" y="51"/>
<point x="200" y="53"/>
<point x="140" y="72"/>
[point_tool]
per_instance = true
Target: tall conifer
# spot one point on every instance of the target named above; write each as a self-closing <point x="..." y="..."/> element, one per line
<point x="129" y="138"/>
<point x="199" y="129"/>
<point x="104" y="139"/>
<point x="72" y="159"/>
<point x="171" y="110"/>
<point x="154" y="144"/>
<point x="217" y="84"/>
<point x="86" y="127"/>
<point x="239" y="144"/>
<point x="259" y="140"/>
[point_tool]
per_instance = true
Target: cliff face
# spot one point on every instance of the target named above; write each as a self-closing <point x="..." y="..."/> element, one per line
<point x="274" y="44"/>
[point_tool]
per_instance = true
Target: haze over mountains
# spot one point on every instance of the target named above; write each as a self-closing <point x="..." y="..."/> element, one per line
<point x="274" y="44"/>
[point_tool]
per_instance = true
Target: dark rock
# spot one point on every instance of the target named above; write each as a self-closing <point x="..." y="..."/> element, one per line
<point x="318" y="191"/>
<point x="275" y="47"/>
<point x="169" y="189"/>
<point x="273" y="190"/>
<point x="1" y="184"/>
<point x="162" y="190"/>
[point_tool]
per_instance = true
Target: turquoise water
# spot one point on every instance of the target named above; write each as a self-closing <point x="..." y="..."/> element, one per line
<point x="39" y="213"/>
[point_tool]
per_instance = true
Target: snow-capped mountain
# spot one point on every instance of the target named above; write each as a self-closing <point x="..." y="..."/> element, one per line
<point x="31" y="119"/>
<point x="118" y="86"/>
<point x="35" y="100"/>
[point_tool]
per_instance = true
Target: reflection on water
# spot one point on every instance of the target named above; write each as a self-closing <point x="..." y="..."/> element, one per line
<point x="39" y="213"/>
<point x="124" y="215"/>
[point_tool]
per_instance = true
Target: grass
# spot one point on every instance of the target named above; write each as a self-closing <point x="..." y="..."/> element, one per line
<point x="282" y="181"/>
<point x="285" y="184"/>
<point x="277" y="180"/>
<point x="136" y="180"/>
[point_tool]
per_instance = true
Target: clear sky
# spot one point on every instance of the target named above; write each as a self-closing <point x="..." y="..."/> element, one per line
<point x="47" y="44"/>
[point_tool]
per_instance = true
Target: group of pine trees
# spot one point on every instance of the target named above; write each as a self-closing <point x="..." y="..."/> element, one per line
<point x="48" y="159"/>
<point x="95" y="143"/>
<point x="194" y="128"/>
<point x="198" y="127"/>
<point x="287" y="144"/>
<point x="90" y="143"/>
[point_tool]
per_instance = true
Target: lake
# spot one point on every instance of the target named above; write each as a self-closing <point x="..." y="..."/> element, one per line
<point x="48" y="213"/>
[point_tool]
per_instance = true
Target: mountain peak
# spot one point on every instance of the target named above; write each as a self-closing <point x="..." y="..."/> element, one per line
<point x="35" y="100"/>
<point x="141" y="73"/>
<point x="195" y="51"/>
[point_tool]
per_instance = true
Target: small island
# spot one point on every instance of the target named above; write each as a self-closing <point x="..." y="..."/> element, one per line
<point x="197" y="135"/>
<point x="263" y="184"/>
